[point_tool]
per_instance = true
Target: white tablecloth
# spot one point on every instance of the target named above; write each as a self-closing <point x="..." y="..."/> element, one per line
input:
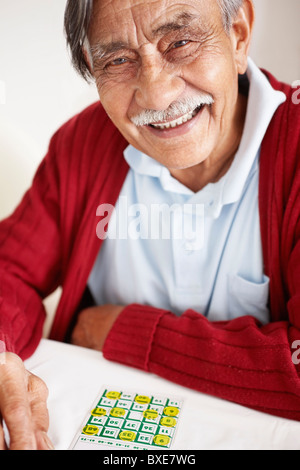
<point x="75" y="376"/>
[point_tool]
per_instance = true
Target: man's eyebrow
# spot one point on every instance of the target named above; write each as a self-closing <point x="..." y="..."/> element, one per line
<point x="98" y="51"/>
<point x="181" y="21"/>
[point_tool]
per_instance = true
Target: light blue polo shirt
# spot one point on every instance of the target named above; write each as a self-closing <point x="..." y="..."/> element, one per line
<point x="171" y="248"/>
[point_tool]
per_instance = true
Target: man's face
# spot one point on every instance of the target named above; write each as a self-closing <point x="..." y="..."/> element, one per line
<point x="150" y="55"/>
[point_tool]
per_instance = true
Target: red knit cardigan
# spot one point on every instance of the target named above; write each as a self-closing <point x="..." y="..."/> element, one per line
<point x="50" y="240"/>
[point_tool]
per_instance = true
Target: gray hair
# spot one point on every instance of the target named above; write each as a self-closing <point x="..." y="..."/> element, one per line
<point x="77" y="19"/>
<point x="229" y="9"/>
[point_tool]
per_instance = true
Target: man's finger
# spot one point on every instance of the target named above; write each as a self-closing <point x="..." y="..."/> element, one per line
<point x="17" y="417"/>
<point x="38" y="395"/>
<point x="15" y="406"/>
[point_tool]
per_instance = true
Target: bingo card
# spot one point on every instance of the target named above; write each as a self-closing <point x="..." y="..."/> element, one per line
<point x="121" y="419"/>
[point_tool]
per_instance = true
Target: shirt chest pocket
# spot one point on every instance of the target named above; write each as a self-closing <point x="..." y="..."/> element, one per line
<point x="248" y="298"/>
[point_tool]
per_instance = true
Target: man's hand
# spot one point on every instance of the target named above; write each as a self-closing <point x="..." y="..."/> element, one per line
<point x="23" y="407"/>
<point x="94" y="324"/>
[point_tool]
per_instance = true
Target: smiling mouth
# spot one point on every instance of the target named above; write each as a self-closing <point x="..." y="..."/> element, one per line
<point x="177" y="122"/>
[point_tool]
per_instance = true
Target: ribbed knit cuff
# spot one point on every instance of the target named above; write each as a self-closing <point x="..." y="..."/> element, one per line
<point x="130" y="339"/>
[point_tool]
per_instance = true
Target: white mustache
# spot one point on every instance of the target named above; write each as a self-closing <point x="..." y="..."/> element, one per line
<point x="175" y="110"/>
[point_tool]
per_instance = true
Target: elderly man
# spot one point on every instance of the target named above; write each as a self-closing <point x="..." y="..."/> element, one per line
<point x="186" y="122"/>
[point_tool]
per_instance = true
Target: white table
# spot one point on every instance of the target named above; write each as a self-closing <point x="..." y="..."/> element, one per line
<point x="75" y="376"/>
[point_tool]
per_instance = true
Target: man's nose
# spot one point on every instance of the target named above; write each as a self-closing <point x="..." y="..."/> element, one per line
<point x="157" y="88"/>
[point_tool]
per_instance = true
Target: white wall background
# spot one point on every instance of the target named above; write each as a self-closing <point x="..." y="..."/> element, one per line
<point x="276" y="40"/>
<point x="39" y="90"/>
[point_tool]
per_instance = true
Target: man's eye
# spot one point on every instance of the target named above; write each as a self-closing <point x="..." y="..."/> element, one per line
<point x="119" y="61"/>
<point x="178" y="44"/>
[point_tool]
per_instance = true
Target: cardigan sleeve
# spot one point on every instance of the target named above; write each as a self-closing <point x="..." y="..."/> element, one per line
<point x="29" y="260"/>
<point x="50" y="239"/>
<point x="239" y="360"/>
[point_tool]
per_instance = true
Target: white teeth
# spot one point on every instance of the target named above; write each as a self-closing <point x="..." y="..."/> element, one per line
<point x="176" y="122"/>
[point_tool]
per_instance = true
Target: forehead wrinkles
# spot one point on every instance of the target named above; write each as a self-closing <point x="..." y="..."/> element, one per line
<point x="123" y="20"/>
<point x="132" y="21"/>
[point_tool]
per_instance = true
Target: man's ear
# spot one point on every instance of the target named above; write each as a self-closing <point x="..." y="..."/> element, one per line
<point x="241" y="34"/>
